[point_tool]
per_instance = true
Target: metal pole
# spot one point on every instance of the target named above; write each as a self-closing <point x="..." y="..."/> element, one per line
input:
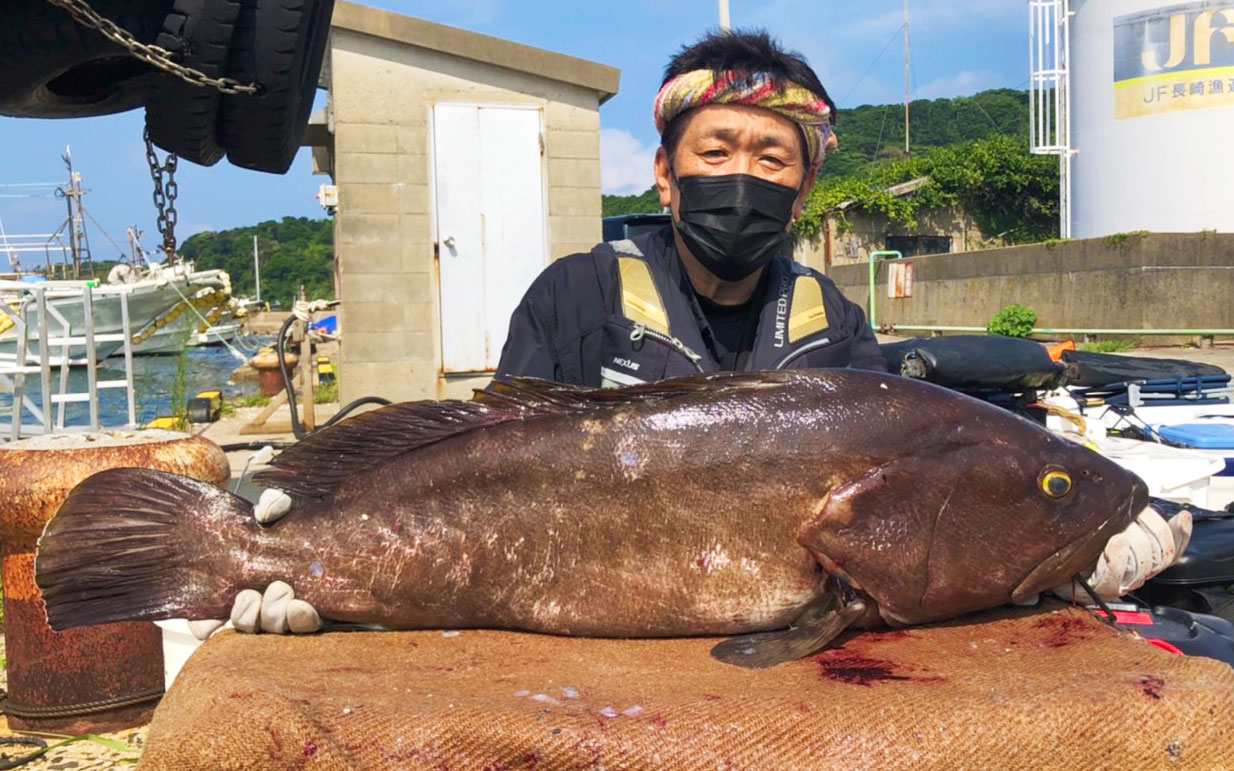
<point x="1064" y="118"/>
<point x="907" y="60"/>
<point x="92" y="362"/>
<point x="874" y="257"/>
<point x="44" y="359"/>
<point x="74" y="242"/>
<point x="126" y="329"/>
<point x="256" y="269"/>
<point x="19" y="379"/>
<point x="724" y="21"/>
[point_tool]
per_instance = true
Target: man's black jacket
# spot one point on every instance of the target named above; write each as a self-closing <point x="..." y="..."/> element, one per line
<point x="590" y="319"/>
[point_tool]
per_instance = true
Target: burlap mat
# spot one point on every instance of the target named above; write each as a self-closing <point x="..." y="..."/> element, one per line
<point x="1007" y="690"/>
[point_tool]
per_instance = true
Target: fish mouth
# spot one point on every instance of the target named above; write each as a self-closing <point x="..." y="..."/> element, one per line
<point x="1075" y="556"/>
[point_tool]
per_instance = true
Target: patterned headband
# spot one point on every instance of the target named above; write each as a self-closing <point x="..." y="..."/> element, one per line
<point x="699" y="88"/>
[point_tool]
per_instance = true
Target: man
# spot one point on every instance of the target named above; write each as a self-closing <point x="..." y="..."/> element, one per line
<point x="744" y="129"/>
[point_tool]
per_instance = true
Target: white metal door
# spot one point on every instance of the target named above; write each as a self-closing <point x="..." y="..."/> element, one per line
<point x="490" y="225"/>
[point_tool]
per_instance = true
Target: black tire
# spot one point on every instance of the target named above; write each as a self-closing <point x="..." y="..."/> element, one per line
<point x="53" y="67"/>
<point x="183" y="118"/>
<point x="279" y="44"/>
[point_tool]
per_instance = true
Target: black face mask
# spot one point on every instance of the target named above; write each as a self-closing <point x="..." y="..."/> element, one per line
<point x="734" y="224"/>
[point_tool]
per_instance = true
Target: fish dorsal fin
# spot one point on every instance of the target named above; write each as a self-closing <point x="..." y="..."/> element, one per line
<point x="317" y="465"/>
<point x="532" y="393"/>
<point x="314" y="467"/>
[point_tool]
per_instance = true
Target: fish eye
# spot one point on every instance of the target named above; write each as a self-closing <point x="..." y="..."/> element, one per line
<point x="1056" y="483"/>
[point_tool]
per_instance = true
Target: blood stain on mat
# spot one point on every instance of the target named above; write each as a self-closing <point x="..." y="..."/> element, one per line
<point x="853" y="669"/>
<point x="310" y="748"/>
<point x="1152" y="686"/>
<point x="856" y="670"/>
<point x="804" y="708"/>
<point x="1062" y="630"/>
<point x="658" y="721"/>
<point x="711" y="697"/>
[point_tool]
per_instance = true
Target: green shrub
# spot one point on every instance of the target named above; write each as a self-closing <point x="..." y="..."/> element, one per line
<point x="1013" y="321"/>
<point x="1108" y="346"/>
<point x="326" y="393"/>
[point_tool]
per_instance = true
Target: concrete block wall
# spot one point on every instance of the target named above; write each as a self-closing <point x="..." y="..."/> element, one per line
<point x="1155" y="281"/>
<point x="382" y="94"/>
<point x="868" y="233"/>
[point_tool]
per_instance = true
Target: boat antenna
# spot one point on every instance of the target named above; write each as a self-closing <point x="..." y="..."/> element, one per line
<point x="908" y="153"/>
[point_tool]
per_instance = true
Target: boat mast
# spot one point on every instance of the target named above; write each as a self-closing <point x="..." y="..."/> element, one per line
<point x="70" y="197"/>
<point x="76" y="223"/>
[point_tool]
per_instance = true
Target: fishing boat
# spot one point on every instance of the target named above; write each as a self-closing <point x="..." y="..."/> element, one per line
<point x="201" y="298"/>
<point x="168" y="302"/>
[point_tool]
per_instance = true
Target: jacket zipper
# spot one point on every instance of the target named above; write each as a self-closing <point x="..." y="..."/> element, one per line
<point x="640" y="331"/>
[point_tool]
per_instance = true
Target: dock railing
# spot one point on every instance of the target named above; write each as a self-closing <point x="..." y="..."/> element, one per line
<point x="32" y="317"/>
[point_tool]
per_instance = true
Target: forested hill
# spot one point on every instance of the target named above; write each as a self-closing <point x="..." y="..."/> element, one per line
<point x="293" y="251"/>
<point x="876" y="132"/>
<point x="872" y="133"/>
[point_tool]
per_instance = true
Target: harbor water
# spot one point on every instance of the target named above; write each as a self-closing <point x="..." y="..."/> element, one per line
<point x="154" y="382"/>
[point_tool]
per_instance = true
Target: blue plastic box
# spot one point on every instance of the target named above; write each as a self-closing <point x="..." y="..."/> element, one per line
<point x="1200" y="436"/>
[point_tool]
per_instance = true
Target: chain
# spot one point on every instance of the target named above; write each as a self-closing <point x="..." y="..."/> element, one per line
<point x="164" y="197"/>
<point x="150" y="54"/>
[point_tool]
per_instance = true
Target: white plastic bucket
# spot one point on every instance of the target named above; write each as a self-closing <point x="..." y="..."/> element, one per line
<point x="178" y="645"/>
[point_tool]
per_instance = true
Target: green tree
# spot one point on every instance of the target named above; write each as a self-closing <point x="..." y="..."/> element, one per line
<point x="872" y="151"/>
<point x="647" y="202"/>
<point x="1010" y="193"/>
<point x="293" y="251"/>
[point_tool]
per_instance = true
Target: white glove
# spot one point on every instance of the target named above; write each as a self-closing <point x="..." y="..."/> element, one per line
<point x="277" y="611"/>
<point x="271" y="505"/>
<point x="1148" y="546"/>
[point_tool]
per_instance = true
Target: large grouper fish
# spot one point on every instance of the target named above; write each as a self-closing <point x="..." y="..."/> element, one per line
<point x="773" y="509"/>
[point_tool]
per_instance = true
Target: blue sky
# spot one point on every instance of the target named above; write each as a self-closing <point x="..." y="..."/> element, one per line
<point x="958" y="49"/>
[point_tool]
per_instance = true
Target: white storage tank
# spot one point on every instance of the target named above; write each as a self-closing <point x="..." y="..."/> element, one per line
<point x="1152" y="116"/>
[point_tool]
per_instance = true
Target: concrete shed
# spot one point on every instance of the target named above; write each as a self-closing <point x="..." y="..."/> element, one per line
<point x="463" y="165"/>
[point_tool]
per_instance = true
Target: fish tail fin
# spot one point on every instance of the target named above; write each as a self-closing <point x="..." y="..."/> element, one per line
<point x="126" y="546"/>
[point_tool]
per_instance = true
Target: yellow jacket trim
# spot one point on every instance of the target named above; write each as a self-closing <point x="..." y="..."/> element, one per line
<point x="808" y="315"/>
<point x="640" y="300"/>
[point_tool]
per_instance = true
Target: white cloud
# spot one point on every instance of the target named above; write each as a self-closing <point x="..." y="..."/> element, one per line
<point x="626" y="164"/>
<point x="963" y="83"/>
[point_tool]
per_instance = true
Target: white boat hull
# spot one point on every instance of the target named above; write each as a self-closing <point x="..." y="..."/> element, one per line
<point x="160" y="321"/>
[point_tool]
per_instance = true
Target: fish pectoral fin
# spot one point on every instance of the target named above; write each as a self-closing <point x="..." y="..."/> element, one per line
<point x="816" y="627"/>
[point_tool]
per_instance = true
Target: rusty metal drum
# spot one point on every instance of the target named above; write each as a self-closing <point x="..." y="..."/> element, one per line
<point x="94" y="679"/>
<point x="269" y="376"/>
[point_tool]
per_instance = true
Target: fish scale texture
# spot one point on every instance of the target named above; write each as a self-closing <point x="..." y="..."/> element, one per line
<point x="1011" y="689"/>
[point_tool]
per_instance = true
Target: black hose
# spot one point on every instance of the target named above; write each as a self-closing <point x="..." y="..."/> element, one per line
<point x="254" y="446"/>
<point x="39" y="745"/>
<point x="297" y="428"/>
